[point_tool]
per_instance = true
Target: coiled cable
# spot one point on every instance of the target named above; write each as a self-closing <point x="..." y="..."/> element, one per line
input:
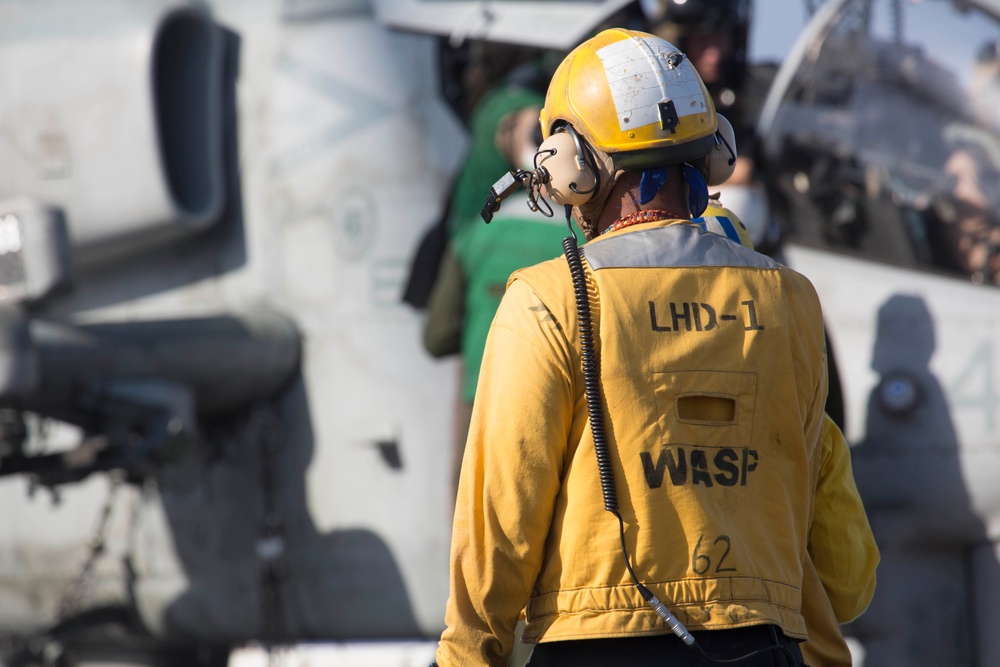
<point x="591" y="373"/>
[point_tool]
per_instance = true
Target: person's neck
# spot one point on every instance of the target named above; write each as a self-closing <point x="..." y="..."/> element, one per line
<point x="669" y="203"/>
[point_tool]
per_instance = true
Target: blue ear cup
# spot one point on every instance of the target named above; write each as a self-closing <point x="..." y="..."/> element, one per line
<point x="697" y="191"/>
<point x="652" y="180"/>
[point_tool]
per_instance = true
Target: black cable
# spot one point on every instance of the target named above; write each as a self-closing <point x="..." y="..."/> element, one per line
<point x="591" y="374"/>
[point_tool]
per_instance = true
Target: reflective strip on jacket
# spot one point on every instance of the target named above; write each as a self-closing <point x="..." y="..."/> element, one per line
<point x="713" y="381"/>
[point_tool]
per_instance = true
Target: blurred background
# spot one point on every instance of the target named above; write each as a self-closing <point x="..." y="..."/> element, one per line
<point x="244" y="285"/>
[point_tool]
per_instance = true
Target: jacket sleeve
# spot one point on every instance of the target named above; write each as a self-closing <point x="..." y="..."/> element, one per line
<point x="446" y="308"/>
<point x="841" y="543"/>
<point x="511" y="475"/>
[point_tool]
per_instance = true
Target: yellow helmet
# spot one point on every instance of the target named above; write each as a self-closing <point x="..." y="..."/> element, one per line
<point x="633" y="96"/>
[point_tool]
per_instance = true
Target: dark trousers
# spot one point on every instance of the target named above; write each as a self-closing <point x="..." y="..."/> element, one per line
<point x="669" y="651"/>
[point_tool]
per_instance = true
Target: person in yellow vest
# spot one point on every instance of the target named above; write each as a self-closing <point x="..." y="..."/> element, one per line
<point x="649" y="474"/>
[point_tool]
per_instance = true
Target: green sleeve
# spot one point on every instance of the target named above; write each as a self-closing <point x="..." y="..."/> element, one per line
<point x="446" y="308"/>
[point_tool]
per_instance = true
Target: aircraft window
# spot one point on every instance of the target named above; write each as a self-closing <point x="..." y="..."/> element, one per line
<point x="886" y="141"/>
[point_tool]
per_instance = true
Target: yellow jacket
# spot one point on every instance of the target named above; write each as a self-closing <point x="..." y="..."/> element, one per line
<point x="713" y="381"/>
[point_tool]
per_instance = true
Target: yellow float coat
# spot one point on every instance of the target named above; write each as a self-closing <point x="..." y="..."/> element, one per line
<point x="713" y="383"/>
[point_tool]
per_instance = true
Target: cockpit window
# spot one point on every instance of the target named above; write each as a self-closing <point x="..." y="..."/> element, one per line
<point x="886" y="139"/>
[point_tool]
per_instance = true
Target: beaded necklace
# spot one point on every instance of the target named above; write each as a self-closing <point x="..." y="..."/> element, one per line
<point x="650" y="215"/>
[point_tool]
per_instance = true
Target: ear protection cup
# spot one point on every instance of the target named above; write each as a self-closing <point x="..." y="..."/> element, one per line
<point x="569" y="179"/>
<point x="721" y="162"/>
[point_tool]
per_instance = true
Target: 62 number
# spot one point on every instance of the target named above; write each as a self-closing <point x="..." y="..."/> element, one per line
<point x="701" y="561"/>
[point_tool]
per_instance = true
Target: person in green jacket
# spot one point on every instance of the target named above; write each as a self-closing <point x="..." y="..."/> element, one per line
<point x="479" y="258"/>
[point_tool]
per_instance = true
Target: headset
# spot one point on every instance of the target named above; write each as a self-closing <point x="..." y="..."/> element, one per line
<point x="566" y="171"/>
